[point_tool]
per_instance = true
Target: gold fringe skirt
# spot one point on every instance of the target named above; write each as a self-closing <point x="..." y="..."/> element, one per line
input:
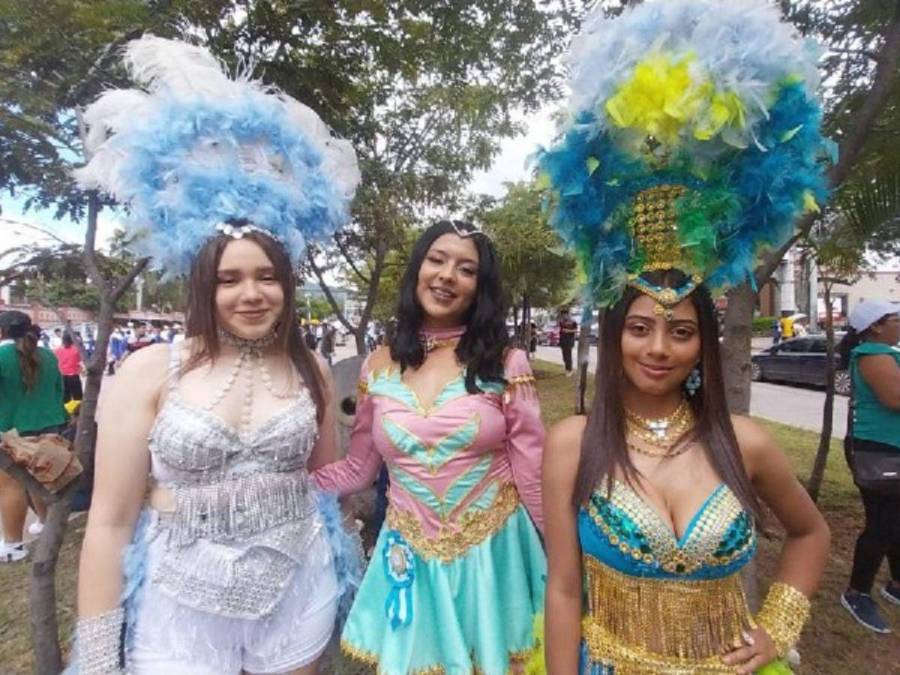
<point x="648" y="626"/>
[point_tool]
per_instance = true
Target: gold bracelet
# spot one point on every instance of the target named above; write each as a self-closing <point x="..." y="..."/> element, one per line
<point x="783" y="614"/>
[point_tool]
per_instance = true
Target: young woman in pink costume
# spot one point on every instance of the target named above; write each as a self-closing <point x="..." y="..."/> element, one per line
<point x="457" y="574"/>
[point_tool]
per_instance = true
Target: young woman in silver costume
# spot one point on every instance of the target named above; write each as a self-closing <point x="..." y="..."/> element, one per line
<point x="221" y="430"/>
<point x="207" y="540"/>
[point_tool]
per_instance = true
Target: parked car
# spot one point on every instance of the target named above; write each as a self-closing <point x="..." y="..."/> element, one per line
<point x="798" y="361"/>
<point x="549" y="336"/>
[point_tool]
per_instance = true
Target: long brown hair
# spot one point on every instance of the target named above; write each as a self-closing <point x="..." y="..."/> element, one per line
<point x="26" y="348"/>
<point x="603" y="450"/>
<point x="201" y="313"/>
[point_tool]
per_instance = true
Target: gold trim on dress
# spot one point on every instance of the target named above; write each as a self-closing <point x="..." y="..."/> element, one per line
<point x="454" y="539"/>
<point x="524" y="385"/>
<point x="370" y="659"/>
<point x="649" y="626"/>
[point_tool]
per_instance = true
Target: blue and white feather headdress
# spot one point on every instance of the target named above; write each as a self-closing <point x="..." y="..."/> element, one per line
<point x="693" y="142"/>
<point x="193" y="148"/>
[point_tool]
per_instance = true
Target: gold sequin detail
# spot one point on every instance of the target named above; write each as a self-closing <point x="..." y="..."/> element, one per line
<point x="698" y="550"/>
<point x="454" y="539"/>
<point x="647" y="626"/>
<point x="655" y="226"/>
<point x="370" y="659"/>
<point x="520" y="385"/>
<point x="362" y="388"/>
<point x="783" y="615"/>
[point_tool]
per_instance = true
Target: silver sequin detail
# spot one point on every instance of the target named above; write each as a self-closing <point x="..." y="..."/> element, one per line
<point x="98" y="643"/>
<point x="245" y="517"/>
<point x="238" y="508"/>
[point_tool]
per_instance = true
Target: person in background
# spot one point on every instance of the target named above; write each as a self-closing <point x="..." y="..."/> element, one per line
<point x="31" y="402"/>
<point x="787" y="325"/>
<point x="776" y="332"/>
<point x="800" y="329"/>
<point x="56" y="339"/>
<point x="328" y="340"/>
<point x="116" y="349"/>
<point x="870" y="350"/>
<point x="69" y="359"/>
<point x="177" y="334"/>
<point x="567" y="331"/>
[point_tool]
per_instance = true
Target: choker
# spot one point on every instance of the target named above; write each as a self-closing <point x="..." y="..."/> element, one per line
<point x="443" y="337"/>
<point x="245" y="344"/>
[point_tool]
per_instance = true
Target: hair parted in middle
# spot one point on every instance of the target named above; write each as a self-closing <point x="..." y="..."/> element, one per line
<point x="201" y="313"/>
<point x="483" y="346"/>
<point x="603" y="450"/>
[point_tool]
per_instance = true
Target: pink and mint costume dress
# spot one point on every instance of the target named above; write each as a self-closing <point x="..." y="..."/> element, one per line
<point x="457" y="575"/>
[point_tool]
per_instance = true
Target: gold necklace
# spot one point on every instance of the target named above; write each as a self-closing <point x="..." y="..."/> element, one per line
<point x="430" y="344"/>
<point x="665" y="454"/>
<point x="662" y="432"/>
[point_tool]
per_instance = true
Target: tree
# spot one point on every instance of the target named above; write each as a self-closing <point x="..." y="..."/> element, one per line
<point x="861" y="113"/>
<point x="867" y="212"/>
<point x="425" y="90"/>
<point x="55" y="57"/>
<point x="535" y="270"/>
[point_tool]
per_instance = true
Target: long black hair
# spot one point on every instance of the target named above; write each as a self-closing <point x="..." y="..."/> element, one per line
<point x="603" y="449"/>
<point x="482" y="347"/>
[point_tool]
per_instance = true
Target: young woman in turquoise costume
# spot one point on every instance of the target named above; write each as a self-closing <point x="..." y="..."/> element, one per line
<point x="694" y="141"/>
<point x="456" y="578"/>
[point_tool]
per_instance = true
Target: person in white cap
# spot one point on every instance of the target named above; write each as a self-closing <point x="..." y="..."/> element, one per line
<point x="873" y="438"/>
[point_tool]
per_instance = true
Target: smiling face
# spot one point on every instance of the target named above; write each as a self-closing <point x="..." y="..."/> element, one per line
<point x="448" y="278"/>
<point x="249" y="297"/>
<point x="658" y="355"/>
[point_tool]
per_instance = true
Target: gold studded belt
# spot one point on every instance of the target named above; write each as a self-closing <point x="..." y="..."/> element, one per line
<point x="653" y="626"/>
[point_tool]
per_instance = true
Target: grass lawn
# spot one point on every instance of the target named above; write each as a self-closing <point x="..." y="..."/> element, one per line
<point x="832" y="643"/>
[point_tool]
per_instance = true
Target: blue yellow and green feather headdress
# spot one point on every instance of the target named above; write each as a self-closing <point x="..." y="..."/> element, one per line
<point x="693" y="141"/>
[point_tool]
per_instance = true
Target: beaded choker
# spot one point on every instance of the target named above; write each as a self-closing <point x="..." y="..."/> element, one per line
<point x="445" y="337"/>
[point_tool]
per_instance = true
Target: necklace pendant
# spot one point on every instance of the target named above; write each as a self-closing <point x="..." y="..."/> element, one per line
<point x="659" y="428"/>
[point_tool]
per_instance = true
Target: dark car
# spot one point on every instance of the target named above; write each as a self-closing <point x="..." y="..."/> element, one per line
<point x="798" y="361"/>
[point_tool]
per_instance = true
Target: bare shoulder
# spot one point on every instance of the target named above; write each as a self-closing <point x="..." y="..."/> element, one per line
<point x="380" y="358"/>
<point x="150" y="359"/>
<point x="564" y="437"/>
<point x="754" y="440"/>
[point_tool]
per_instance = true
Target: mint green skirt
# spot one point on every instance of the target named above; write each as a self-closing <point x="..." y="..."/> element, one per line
<point x="476" y="612"/>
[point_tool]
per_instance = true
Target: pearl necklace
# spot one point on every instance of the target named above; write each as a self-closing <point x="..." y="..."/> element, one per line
<point x="248" y="352"/>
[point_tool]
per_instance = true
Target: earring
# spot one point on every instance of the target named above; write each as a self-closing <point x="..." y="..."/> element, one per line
<point x="692" y="383"/>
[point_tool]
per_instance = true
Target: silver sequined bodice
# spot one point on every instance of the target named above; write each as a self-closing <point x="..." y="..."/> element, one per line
<point x="245" y="512"/>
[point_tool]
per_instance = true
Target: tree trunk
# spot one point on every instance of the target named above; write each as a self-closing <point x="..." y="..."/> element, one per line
<point x="584" y="353"/>
<point x="526" y="324"/>
<point x="42" y="588"/>
<point x="736" y="348"/>
<point x="814" y="485"/>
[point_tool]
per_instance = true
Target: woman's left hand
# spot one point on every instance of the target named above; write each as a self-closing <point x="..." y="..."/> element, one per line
<point x="757" y="651"/>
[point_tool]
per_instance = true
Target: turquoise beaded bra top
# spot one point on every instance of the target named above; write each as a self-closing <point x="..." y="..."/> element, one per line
<point x="622" y="531"/>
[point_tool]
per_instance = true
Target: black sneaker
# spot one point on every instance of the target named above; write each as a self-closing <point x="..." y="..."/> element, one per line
<point x="865" y="611"/>
<point x="891" y="593"/>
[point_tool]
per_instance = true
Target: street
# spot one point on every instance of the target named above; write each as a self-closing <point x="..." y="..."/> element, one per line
<point x="797" y="406"/>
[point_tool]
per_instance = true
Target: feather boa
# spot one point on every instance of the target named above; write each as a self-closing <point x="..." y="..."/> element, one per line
<point x="195" y="147"/>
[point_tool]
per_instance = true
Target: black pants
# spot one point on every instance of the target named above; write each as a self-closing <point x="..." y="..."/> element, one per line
<point x="880" y="538"/>
<point x="72" y="388"/>
<point x="567" y="355"/>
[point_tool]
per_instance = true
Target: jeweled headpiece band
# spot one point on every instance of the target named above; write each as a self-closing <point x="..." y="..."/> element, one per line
<point x="239" y="231"/>
<point x="654" y="227"/>
<point x="466" y="233"/>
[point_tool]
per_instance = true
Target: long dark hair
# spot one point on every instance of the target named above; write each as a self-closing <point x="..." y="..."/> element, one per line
<point x="603" y="450"/>
<point x="482" y="347"/>
<point x="201" y="313"/>
<point x="17" y="327"/>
